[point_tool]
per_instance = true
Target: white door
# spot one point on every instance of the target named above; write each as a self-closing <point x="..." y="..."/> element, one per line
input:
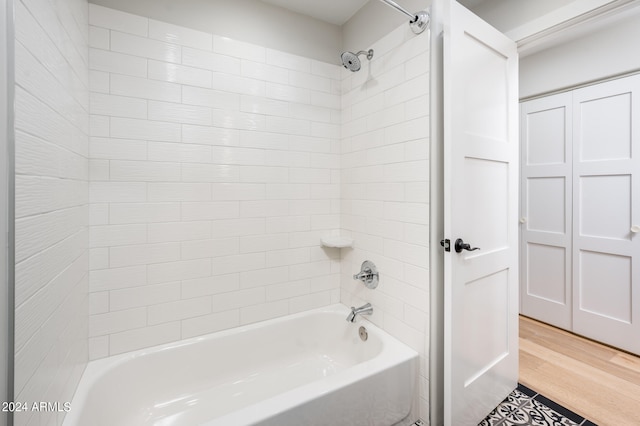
<point x="546" y="212"/>
<point x="480" y="207"/>
<point x="606" y="185"/>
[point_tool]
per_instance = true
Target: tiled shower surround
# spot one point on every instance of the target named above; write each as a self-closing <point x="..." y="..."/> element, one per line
<point x="215" y="170"/>
<point x="385" y="189"/>
<point x="51" y="202"/>
<point x="200" y="185"/>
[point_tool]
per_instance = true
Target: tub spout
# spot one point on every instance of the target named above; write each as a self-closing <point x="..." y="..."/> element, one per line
<point x="362" y="310"/>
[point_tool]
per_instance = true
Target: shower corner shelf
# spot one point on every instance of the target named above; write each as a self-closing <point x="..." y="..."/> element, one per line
<point x="336" y="241"/>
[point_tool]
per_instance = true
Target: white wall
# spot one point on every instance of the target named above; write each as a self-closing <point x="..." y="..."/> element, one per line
<point x="596" y="55"/>
<point x="385" y="189"/>
<point x="376" y="20"/>
<point x="506" y="15"/>
<point x="52" y="146"/>
<point x="214" y="173"/>
<point x="251" y="21"/>
<point x="5" y="306"/>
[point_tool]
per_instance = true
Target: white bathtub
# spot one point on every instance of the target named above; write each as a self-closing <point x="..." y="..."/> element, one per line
<point x="310" y="368"/>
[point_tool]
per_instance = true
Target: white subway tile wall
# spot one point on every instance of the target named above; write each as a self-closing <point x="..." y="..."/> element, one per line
<point x="52" y="202"/>
<point x="385" y="189"/>
<point x="215" y="171"/>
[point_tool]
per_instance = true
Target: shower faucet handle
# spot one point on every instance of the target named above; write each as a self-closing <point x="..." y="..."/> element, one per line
<point x="368" y="274"/>
<point x="364" y="275"/>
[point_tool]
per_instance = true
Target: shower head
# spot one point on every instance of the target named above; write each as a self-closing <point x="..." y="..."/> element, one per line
<point x="351" y="61"/>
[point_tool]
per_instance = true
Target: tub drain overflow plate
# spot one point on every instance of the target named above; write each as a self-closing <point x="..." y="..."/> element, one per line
<point x="363" y="334"/>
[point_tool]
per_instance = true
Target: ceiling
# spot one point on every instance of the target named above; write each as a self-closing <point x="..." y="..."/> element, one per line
<point x="470" y="4"/>
<point x="333" y="11"/>
<point x="336" y="12"/>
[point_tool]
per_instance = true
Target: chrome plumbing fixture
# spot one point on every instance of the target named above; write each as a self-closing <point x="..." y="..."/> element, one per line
<point x="366" y="309"/>
<point x="418" y="22"/>
<point x="362" y="332"/>
<point x="368" y="274"/>
<point x="351" y="61"/>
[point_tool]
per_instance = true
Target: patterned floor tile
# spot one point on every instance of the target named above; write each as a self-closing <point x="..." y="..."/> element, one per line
<point x="525" y="407"/>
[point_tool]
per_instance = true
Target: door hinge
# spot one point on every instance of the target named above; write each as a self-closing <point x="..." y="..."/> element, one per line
<point x="446" y="244"/>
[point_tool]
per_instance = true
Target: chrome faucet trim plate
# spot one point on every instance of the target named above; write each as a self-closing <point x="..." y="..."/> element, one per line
<point x="368" y="274"/>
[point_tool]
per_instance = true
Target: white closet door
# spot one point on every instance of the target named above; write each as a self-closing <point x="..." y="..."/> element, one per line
<point x="545" y="222"/>
<point x="606" y="128"/>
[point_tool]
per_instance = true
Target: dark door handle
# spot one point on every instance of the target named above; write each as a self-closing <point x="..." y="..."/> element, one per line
<point x="461" y="245"/>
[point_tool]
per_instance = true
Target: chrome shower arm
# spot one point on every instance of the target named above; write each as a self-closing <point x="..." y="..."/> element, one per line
<point x="401" y="9"/>
<point x="368" y="53"/>
<point x="419" y="20"/>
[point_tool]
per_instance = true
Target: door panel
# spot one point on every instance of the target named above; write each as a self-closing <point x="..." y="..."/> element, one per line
<point x="606" y="119"/>
<point x="486" y="354"/>
<point x="605" y="247"/>
<point x="545" y="141"/>
<point x="546" y="209"/>
<point x="547" y="267"/>
<point x="605" y="206"/>
<point x="546" y="198"/>
<point x="481" y="182"/>
<point x="482" y="206"/>
<point x="605" y="285"/>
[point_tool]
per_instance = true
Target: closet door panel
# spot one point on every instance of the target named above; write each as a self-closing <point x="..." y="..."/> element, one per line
<point x="605" y="206"/>
<point x="605" y="247"/>
<point x="546" y="209"/>
<point x="605" y="285"/>
<point x="547" y="269"/>
<point x="546" y="204"/>
<point x="546" y="142"/>
<point x="605" y="125"/>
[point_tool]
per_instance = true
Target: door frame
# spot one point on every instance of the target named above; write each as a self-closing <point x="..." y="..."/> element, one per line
<point x="436" y="218"/>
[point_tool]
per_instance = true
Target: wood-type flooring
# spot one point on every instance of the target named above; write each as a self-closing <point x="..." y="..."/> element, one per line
<point x="596" y="381"/>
